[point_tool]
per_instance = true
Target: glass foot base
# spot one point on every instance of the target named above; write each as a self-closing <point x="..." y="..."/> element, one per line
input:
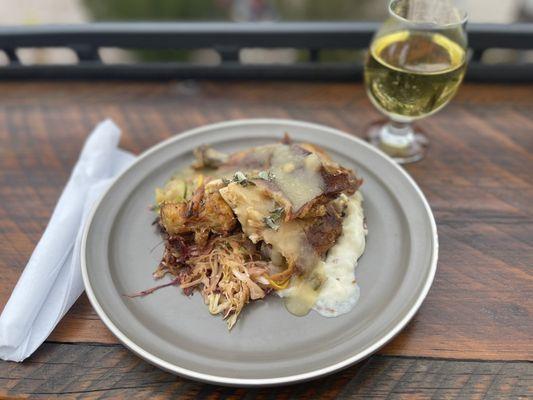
<point x="406" y="148"/>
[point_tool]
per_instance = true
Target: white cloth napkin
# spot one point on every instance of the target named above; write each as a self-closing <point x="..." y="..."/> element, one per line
<point x="51" y="281"/>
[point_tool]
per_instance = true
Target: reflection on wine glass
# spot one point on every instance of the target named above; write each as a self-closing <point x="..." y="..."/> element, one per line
<point x="416" y="62"/>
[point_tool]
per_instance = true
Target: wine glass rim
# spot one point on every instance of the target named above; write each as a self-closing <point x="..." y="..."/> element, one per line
<point x="462" y="14"/>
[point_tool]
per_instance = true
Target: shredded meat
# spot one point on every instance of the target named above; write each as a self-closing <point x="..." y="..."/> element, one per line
<point x="205" y="251"/>
<point x="228" y="272"/>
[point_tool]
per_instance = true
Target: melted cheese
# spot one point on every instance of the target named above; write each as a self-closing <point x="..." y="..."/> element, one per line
<point x="297" y="175"/>
<point x="250" y="206"/>
<point x="304" y="291"/>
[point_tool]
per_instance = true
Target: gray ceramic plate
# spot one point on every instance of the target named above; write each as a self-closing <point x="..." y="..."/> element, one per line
<point x="268" y="346"/>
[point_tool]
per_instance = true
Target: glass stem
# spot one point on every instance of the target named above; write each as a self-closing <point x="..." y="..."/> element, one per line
<point x="397" y="134"/>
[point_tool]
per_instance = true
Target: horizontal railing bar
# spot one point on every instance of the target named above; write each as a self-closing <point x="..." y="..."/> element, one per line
<point x="189" y="35"/>
<point x="234" y="70"/>
<point x="228" y="39"/>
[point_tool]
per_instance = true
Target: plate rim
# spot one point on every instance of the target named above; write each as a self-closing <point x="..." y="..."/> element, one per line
<point x="256" y="382"/>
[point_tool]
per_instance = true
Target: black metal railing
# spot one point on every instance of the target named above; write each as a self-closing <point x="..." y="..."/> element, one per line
<point x="228" y="39"/>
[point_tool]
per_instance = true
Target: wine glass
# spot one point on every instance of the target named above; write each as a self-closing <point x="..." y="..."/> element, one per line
<point x="415" y="64"/>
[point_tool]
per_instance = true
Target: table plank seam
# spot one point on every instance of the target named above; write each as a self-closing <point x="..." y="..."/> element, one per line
<point x="405" y="357"/>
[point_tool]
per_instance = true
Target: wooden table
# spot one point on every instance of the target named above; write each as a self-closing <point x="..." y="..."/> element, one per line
<point x="472" y="338"/>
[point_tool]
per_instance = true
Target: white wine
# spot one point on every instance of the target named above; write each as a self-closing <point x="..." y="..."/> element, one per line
<point x="410" y="74"/>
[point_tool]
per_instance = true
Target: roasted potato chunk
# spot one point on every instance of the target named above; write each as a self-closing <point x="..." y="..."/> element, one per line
<point x="217" y="214"/>
<point x="212" y="215"/>
<point x="173" y="217"/>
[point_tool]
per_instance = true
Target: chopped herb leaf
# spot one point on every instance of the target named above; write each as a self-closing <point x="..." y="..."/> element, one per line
<point x="277" y="213"/>
<point x="239" y="176"/>
<point x="241" y="179"/>
<point x="266" y="175"/>
<point x="272" y="221"/>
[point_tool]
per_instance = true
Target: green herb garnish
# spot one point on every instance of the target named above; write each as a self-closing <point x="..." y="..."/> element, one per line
<point x="272" y="221"/>
<point x="241" y="178"/>
<point x="266" y="175"/>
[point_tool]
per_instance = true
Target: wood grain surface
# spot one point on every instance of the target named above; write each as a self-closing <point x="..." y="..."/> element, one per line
<point x="101" y="372"/>
<point x="478" y="178"/>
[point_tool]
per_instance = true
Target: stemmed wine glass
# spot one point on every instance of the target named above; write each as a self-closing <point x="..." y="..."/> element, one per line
<point x="416" y="62"/>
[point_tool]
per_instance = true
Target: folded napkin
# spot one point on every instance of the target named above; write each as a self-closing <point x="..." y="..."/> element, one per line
<point x="51" y="281"/>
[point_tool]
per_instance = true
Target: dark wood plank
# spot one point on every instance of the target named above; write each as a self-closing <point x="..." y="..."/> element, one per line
<point x="477" y="177"/>
<point x="99" y="372"/>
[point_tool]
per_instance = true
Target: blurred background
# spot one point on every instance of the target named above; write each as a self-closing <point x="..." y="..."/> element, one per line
<point x="34" y="12"/>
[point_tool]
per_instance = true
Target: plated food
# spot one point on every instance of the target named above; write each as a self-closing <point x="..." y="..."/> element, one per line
<point x="268" y="346"/>
<point x="282" y="218"/>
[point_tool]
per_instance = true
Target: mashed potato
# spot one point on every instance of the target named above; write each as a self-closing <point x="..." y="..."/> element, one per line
<point x="340" y="292"/>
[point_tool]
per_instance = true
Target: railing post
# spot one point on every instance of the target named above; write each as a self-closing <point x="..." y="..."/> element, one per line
<point x="228" y="54"/>
<point x="86" y="52"/>
<point x="12" y="55"/>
